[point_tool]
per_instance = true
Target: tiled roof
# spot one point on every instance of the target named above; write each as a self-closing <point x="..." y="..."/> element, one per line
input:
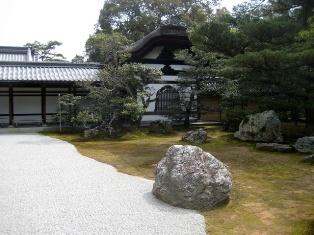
<point x="13" y="57"/>
<point x="48" y="71"/>
<point x="15" y="53"/>
<point x="165" y="30"/>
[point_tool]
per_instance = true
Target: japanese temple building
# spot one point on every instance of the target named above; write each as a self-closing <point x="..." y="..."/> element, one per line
<point x="29" y="89"/>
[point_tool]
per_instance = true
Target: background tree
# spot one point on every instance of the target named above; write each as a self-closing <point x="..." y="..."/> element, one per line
<point x="118" y="99"/>
<point x="46" y="51"/>
<point x="78" y="59"/>
<point x="102" y="47"/>
<point x="300" y="9"/>
<point x="121" y="96"/>
<point x="259" y="49"/>
<point x="136" y="18"/>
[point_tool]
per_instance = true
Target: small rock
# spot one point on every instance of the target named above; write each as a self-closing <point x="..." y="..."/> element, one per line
<point x="260" y="127"/>
<point x="305" y="144"/>
<point x="274" y="147"/>
<point x="189" y="177"/>
<point x="309" y="159"/>
<point x="195" y="137"/>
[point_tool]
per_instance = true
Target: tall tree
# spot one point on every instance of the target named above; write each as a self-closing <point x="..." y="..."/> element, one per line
<point x="301" y="9"/>
<point x="258" y="49"/>
<point x="102" y="47"/>
<point x="136" y="18"/>
<point x="120" y="96"/>
<point x="46" y="51"/>
<point x="78" y="59"/>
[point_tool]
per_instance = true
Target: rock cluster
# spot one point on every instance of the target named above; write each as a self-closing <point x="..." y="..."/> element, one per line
<point x="274" y="147"/>
<point x="305" y="144"/>
<point x="260" y="127"/>
<point x="309" y="159"/>
<point x="195" y="137"/>
<point x="189" y="177"/>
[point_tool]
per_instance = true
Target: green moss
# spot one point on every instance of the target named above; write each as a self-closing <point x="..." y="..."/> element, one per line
<point x="304" y="228"/>
<point x="272" y="192"/>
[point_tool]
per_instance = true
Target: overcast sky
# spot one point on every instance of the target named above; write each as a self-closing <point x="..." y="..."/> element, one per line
<point x="67" y="21"/>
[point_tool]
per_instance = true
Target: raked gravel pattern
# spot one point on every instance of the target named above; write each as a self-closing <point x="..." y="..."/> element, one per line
<point x="47" y="187"/>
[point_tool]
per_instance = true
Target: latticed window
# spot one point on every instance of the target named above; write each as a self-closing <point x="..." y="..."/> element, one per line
<point x="167" y="100"/>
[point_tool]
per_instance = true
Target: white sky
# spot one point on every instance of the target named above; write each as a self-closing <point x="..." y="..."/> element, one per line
<point x="67" y="21"/>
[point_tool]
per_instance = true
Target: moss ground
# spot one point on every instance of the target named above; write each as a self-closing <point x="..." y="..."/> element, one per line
<point x="273" y="193"/>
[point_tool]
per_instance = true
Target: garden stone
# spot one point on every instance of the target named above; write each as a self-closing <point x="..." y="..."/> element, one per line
<point x="189" y="177"/>
<point x="309" y="159"/>
<point x="274" y="147"/>
<point x="260" y="127"/>
<point x="195" y="137"/>
<point x="305" y="144"/>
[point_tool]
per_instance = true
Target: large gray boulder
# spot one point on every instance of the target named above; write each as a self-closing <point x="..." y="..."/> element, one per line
<point x="188" y="177"/>
<point x="274" y="147"/>
<point x="195" y="137"/>
<point x="260" y="127"/>
<point x="305" y="144"/>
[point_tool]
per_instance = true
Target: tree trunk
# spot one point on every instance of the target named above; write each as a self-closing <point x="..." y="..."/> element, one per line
<point x="187" y="119"/>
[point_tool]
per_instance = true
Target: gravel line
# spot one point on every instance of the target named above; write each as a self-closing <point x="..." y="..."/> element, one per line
<point x="47" y="187"/>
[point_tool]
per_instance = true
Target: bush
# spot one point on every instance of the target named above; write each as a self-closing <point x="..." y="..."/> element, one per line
<point x="161" y="127"/>
<point x="85" y="119"/>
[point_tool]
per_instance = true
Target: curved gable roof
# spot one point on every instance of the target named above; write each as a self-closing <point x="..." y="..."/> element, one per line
<point x="167" y="35"/>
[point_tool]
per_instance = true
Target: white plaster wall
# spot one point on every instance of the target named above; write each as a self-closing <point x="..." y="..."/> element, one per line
<point x="154" y="53"/>
<point x="51" y="107"/>
<point x="169" y="78"/>
<point x="155" y="88"/>
<point x="27" y="89"/>
<point x="180" y="67"/>
<point x="151" y="107"/>
<point x="4" y="105"/>
<point x="154" y="66"/>
<point x="4" y="108"/>
<point x="24" y="119"/>
<point x="151" y="118"/>
<point x="50" y="118"/>
<point x="51" y="104"/>
<point x="27" y="105"/>
<point x="57" y="89"/>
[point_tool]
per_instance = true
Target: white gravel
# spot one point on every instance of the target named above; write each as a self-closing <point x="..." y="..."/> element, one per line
<point x="47" y="187"/>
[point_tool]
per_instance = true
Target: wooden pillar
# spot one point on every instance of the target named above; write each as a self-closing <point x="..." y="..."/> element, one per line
<point x="43" y="106"/>
<point x="11" y="106"/>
